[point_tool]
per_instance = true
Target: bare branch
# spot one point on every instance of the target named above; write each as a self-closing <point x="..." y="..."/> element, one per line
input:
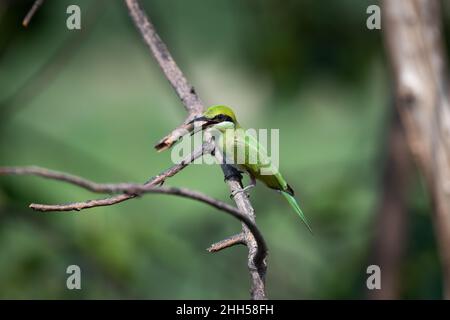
<point x="31" y="13"/>
<point x="128" y="189"/>
<point x="227" y="243"/>
<point x="78" y="206"/>
<point x="131" y="190"/>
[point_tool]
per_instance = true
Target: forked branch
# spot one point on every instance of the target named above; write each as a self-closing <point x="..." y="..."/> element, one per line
<point x="130" y="189"/>
<point x="194" y="106"/>
<point x="250" y="235"/>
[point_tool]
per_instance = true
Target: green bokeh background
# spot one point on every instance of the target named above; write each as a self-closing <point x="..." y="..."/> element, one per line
<point x="308" y="67"/>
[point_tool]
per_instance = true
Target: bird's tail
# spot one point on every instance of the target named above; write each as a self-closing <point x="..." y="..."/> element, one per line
<point x="297" y="209"/>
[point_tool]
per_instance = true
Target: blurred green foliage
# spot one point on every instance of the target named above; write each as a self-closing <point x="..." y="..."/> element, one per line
<point x="308" y="67"/>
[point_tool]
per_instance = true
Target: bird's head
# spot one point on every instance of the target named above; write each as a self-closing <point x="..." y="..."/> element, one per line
<point x="219" y="117"/>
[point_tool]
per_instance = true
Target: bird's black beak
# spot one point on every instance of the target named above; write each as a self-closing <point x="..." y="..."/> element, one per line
<point x="206" y="124"/>
<point x="201" y="118"/>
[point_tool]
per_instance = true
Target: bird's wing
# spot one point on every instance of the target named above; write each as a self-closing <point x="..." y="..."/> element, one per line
<point x="257" y="161"/>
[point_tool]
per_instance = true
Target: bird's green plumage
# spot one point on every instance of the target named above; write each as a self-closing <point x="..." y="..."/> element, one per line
<point x="247" y="154"/>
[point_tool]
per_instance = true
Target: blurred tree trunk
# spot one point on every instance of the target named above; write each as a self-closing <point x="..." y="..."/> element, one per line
<point x="392" y="216"/>
<point x="412" y="31"/>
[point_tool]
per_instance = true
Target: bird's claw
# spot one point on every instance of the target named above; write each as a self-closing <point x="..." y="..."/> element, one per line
<point x="245" y="190"/>
<point x="237" y="191"/>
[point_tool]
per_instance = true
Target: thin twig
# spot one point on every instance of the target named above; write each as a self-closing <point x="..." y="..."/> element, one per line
<point x="31" y="13"/>
<point x="227" y="243"/>
<point x="192" y="103"/>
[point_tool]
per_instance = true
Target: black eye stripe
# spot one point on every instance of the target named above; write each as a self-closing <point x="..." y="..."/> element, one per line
<point x="223" y="117"/>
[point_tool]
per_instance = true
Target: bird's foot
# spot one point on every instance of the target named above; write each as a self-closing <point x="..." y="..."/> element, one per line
<point x="235" y="192"/>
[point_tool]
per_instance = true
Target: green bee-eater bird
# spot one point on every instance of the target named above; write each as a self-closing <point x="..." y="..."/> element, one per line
<point x="237" y="148"/>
